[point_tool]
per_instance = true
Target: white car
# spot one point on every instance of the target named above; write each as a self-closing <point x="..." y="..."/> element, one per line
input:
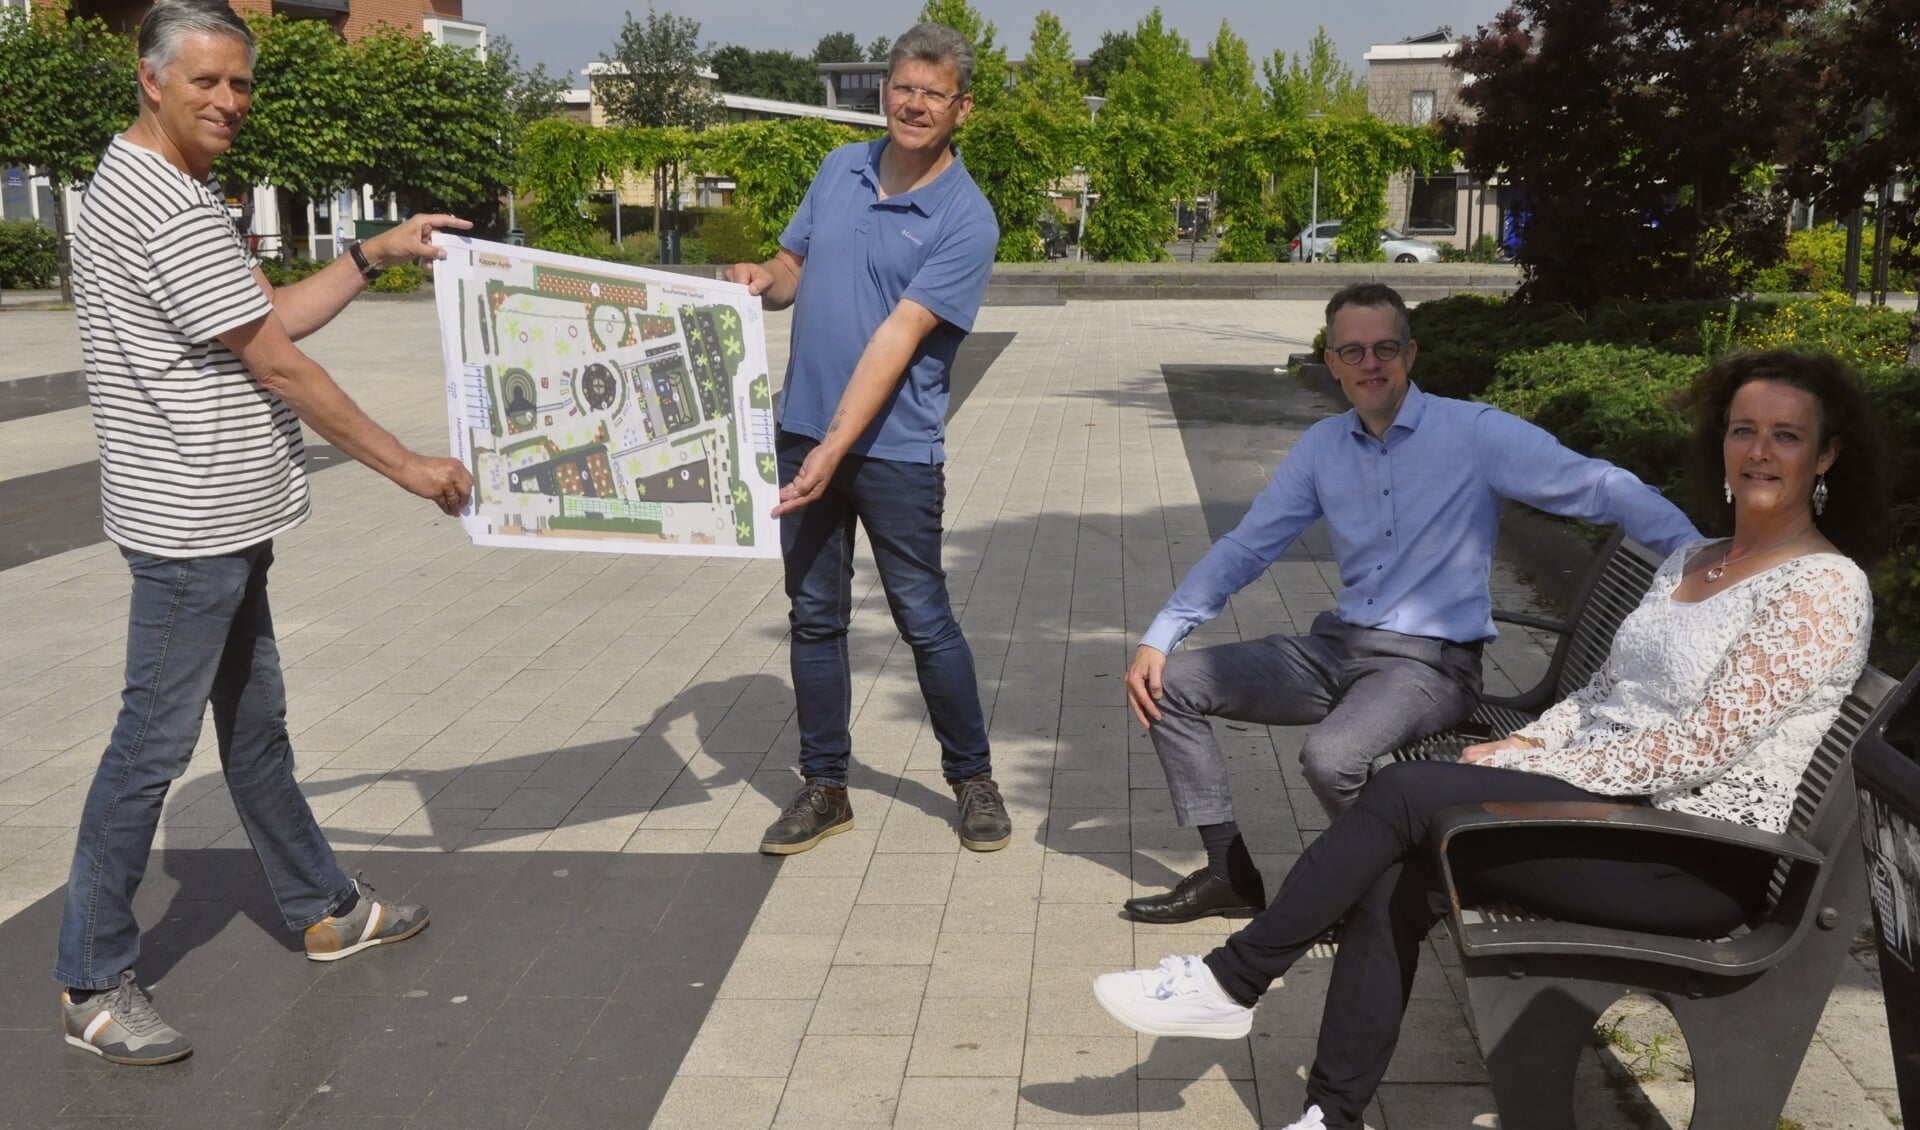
<point x="1317" y="243"/>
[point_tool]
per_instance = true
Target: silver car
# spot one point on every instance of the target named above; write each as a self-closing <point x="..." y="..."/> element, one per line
<point x="1316" y="243"/>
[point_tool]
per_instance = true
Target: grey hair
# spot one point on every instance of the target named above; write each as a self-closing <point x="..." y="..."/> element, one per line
<point x="172" y="21"/>
<point x="1375" y="295"/>
<point x="937" y="44"/>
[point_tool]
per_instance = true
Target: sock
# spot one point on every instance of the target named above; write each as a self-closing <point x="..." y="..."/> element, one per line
<point x="346" y="907"/>
<point x="1219" y="838"/>
<point x="81" y="996"/>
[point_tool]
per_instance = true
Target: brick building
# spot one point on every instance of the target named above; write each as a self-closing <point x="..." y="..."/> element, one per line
<point x="1411" y="83"/>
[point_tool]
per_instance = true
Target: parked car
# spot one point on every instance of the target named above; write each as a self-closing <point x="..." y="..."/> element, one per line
<point x="1317" y="242"/>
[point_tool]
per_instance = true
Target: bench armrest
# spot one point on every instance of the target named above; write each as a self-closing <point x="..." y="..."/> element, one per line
<point x="1495" y="815"/>
<point x="1557" y="627"/>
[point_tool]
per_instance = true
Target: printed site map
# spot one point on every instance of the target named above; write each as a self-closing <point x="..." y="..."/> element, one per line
<point x="604" y="407"/>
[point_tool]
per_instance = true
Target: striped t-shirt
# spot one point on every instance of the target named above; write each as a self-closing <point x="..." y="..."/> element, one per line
<point x="196" y="457"/>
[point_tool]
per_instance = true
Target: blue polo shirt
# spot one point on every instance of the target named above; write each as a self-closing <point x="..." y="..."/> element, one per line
<point x="934" y="245"/>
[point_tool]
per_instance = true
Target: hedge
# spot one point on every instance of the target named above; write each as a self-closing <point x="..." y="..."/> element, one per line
<point x="29" y="255"/>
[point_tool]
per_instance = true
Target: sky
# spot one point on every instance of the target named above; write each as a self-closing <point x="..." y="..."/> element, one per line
<point x="566" y="35"/>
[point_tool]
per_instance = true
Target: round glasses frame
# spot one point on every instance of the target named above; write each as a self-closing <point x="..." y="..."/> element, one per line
<point x="1383" y="351"/>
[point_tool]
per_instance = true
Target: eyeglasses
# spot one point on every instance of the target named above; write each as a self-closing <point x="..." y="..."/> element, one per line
<point x="1383" y="351"/>
<point x="937" y="101"/>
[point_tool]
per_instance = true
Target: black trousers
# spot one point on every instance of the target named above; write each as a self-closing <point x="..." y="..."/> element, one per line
<point x="1371" y="866"/>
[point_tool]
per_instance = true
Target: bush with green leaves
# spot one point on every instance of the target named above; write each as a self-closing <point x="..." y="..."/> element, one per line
<point x="283" y="272"/>
<point x="29" y="255"/>
<point x="1816" y="260"/>
<point x="1612" y="402"/>
<point x="402" y="279"/>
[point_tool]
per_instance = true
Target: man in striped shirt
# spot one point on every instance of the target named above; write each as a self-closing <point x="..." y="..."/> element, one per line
<point x="198" y="395"/>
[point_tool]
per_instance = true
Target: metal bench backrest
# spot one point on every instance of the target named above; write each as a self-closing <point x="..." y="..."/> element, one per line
<point x="1624" y="577"/>
<point x="1823" y="805"/>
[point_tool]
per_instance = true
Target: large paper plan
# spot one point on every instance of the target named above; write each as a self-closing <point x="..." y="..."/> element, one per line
<point x="604" y="407"/>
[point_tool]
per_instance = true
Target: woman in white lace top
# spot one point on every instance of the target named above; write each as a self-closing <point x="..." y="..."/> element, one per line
<point x="1716" y="691"/>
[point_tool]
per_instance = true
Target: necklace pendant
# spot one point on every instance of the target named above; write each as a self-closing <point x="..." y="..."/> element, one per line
<point x="1717" y="572"/>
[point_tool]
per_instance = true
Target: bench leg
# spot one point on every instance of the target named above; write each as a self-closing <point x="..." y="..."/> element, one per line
<point x="1747" y="1046"/>
<point x="1533" y="1030"/>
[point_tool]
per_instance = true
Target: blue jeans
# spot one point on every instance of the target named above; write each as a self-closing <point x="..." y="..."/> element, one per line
<point x="198" y="631"/>
<point x="900" y="505"/>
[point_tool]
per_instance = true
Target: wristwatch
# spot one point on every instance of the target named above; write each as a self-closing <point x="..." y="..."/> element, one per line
<point x="368" y="271"/>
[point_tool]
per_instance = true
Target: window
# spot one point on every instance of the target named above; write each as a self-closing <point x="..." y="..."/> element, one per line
<point x="1433" y="206"/>
<point x="1420" y="107"/>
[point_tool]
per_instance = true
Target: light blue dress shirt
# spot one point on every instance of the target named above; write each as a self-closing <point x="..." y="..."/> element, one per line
<point x="1414" y="518"/>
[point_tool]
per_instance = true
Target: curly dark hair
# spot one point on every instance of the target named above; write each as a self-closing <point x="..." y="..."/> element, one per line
<point x="1855" y="520"/>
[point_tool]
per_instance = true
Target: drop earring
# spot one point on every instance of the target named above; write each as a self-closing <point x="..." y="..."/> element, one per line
<point x="1728" y="487"/>
<point x="1820" y="496"/>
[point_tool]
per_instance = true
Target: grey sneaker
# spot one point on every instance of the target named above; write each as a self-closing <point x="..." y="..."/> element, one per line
<point x="370" y="923"/>
<point x="815" y="813"/>
<point x="984" y="823"/>
<point x="120" y="1026"/>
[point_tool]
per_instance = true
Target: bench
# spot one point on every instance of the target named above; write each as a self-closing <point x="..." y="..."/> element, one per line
<point x="1747" y="1003"/>
<point x="1620" y="576"/>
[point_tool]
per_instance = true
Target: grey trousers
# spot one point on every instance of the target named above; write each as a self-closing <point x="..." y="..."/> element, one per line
<point x="1364" y="690"/>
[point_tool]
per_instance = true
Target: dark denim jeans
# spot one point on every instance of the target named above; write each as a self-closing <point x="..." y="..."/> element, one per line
<point x="198" y="631"/>
<point x="899" y="504"/>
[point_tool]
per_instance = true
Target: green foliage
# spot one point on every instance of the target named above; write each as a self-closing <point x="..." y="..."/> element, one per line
<point x="1862" y="336"/>
<point x="402" y="279"/>
<point x="1108" y="60"/>
<point x="560" y="163"/>
<point x="1160" y="79"/>
<point x="1141" y="163"/>
<point x="29" y="255"/>
<point x="726" y="235"/>
<point x="1608" y="401"/>
<point x="284" y="272"/>
<point x="1896" y="608"/>
<point x="433" y="119"/>
<point x="653" y="74"/>
<point x="67" y="86"/>
<point x="1816" y="259"/>
<point x="878" y="50"/>
<point x="301" y="134"/>
<point x="771" y="164"/>
<point x="837" y="47"/>
<point x="780" y="75"/>
<point x="990" y="67"/>
<point x="1486" y="249"/>
<point x="535" y="94"/>
<point x="1029" y="140"/>
<point x="1319" y="83"/>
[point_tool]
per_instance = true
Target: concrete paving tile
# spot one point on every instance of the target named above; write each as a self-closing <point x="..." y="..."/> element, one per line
<point x="969" y="964"/>
<point x="807" y="906"/>
<point x="913" y="878"/>
<point x="780" y="966"/>
<point x="1081" y="831"/>
<point x="869" y="1000"/>
<point x="1061" y="1002"/>
<point x="1436" y="1106"/>
<point x="889" y="934"/>
<point x="1083" y="934"/>
<point x="1102" y="879"/>
<point x="977" y="1036"/>
<point x="1208" y="1103"/>
<point x="984" y="904"/>
<point x="1078" y="1080"/>
<point x="845" y="1081"/>
<point x="751" y="1038"/>
<point x="1195" y="1059"/>
<point x="935" y="1103"/>
<point x="593" y="829"/>
<point x="696" y="1102"/>
<point x="687" y="842"/>
<point x="848" y="855"/>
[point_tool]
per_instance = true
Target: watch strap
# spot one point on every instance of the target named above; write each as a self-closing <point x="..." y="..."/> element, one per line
<point x="368" y="271"/>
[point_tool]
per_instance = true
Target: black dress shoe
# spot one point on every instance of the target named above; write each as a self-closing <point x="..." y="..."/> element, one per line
<point x="1200" y="895"/>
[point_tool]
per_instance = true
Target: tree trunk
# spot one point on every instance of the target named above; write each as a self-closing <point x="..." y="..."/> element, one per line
<point x="1913" y="340"/>
<point x="66" y="247"/>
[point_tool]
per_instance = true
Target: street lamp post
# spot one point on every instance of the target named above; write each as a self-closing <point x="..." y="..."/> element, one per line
<point x="1094" y="102"/>
<point x="1313" y="222"/>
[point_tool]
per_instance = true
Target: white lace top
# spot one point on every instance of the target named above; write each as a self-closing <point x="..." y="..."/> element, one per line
<point x="1713" y="707"/>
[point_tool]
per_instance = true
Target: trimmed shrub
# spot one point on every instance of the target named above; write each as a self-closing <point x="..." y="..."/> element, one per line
<point x="1608" y="401"/>
<point x="730" y="237"/>
<point x="403" y="279"/>
<point x="284" y="272"/>
<point x="29" y="255"/>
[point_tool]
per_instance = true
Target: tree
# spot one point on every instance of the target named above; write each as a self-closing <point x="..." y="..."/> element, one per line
<point x="1319" y="83"/>
<point x="438" y="121"/>
<point x="780" y="75"/>
<point x="878" y="50"/>
<point x="1151" y="145"/>
<point x="1108" y="60"/>
<point x="1237" y="119"/>
<point x="67" y="86"/>
<point x="837" y="47"/>
<point x="535" y="94"/>
<point x="1160" y="79"/>
<point x="1628" y="128"/>
<point x="303" y="133"/>
<point x="1031" y="139"/>
<point x="653" y="79"/>
<point x="990" y="68"/>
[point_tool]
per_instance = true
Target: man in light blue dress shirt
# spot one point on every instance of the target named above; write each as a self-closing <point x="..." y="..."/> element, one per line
<point x="1410" y="486"/>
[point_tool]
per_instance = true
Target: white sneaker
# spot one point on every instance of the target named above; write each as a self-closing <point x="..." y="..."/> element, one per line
<point x="1311" y="1120"/>
<point x="1180" y="998"/>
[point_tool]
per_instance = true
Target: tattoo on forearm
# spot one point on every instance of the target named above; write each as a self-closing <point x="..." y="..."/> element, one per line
<point x="838" y="419"/>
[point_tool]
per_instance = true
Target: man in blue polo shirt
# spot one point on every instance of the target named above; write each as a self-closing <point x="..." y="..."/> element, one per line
<point x="885" y="264"/>
<point x="1410" y="486"/>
